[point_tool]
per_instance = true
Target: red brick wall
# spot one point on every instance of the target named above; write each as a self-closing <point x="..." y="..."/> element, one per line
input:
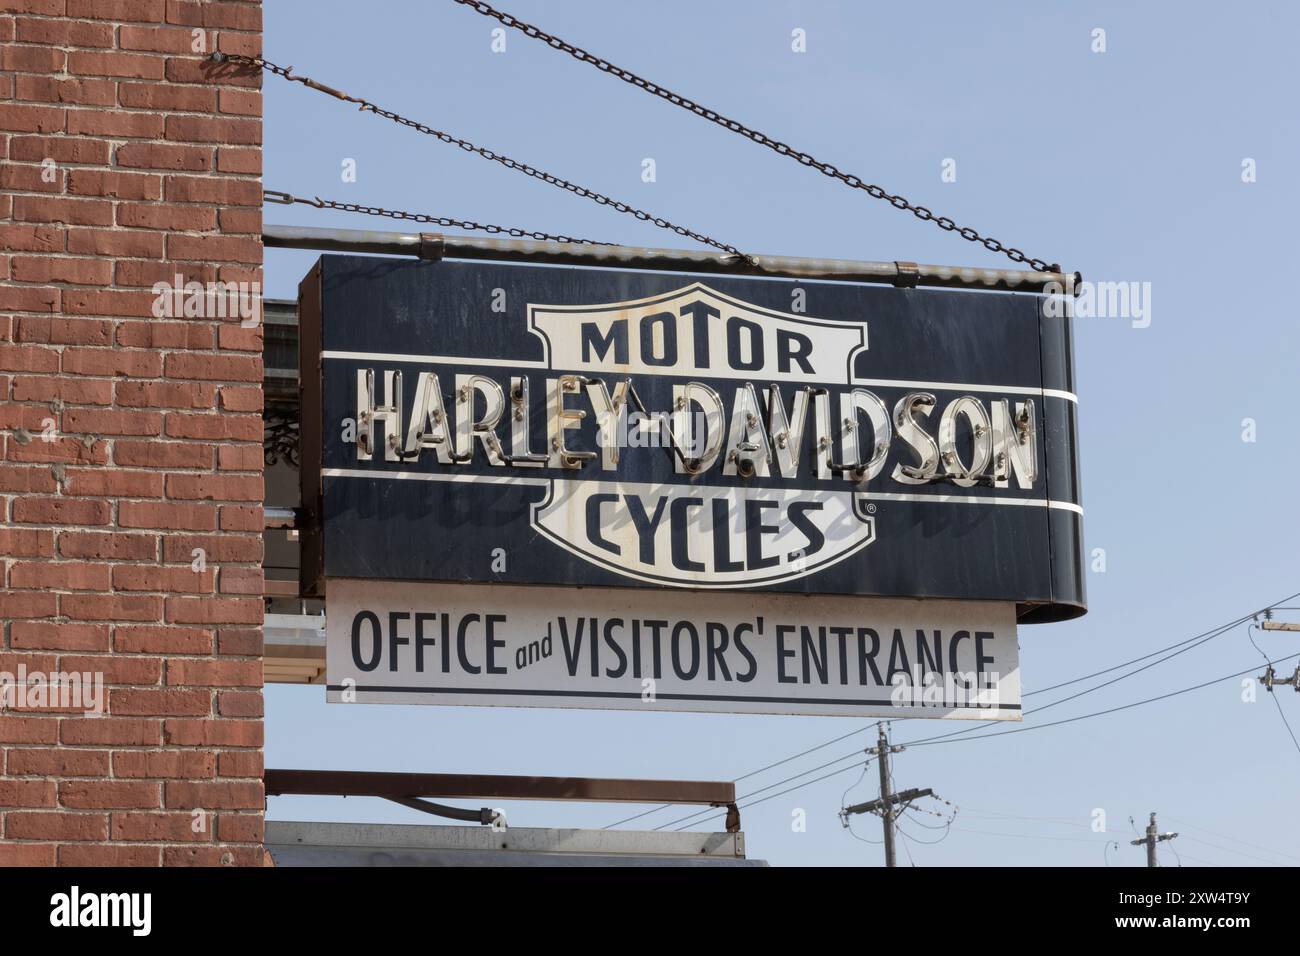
<point x="130" y="440"/>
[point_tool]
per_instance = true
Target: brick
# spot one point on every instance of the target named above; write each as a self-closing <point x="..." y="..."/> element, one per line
<point x="150" y="273"/>
<point x="70" y="270"/>
<point x="174" y="218"/>
<point x="242" y="581"/>
<point x="241" y="641"/>
<point x="205" y="72"/>
<point x="15" y="605"/>
<point x="107" y="794"/>
<point x="160" y="827"/>
<point x="28" y="730"/>
<point x="215" y="487"/>
<point x="111" y="731"/>
<point x="216" y="548"/>
<point x="240" y="828"/>
<point x="109" y="855"/>
<point x="60" y="762"/>
<point x="32" y="238"/>
<point x="115" y="242"/>
<point x="213" y="427"/>
<point x="207" y="855"/>
<point x="157" y="39"/>
<point x="168" y="702"/>
<point x="113" y="185"/>
<point x="241" y="102"/>
<point x="111" y="607"/>
<point x="29" y="299"/>
<point x="140" y="577"/>
<point x="162" y="640"/>
<point x="112" y="545"/>
<point x="166" y="395"/>
<point x="209" y="610"/>
<point x="65" y="33"/>
<point x="108" y="302"/>
<point x="235" y="160"/>
<point x="240" y="458"/>
<point x="241" y="518"/>
<point x="33" y="59"/>
<point x="216" y="189"/>
<point x="211" y="129"/>
<point x="112" y="362"/>
<point x="166" y="516"/>
<point x="49" y="89"/>
<point x="229" y="16"/>
<point x="27" y="854"/>
<point x="188" y="732"/>
<point x="165" y="156"/>
<point x="103" y="421"/>
<point x="90" y="152"/>
<point x="60" y="511"/>
<point x="113" y="483"/>
<point x="33" y="119"/>
<point x="62" y="827"/>
<point x="165" y="335"/>
<point x="62" y="450"/>
<point x="63" y="576"/>
<point x="26" y="542"/>
<point x="131" y="66"/>
<point x="78" y="212"/>
<point x="177" y="764"/>
<point x="55" y="331"/>
<point x="27" y="480"/>
<point x="27" y="793"/>
<point x="237" y="338"/>
<point x="161" y="97"/>
<point x="116" y="668"/>
<point x="224" y="794"/>
<point x="17" y="358"/>
<point x="159" y="454"/>
<point x="40" y="635"/>
<point x="228" y="368"/>
<point x="240" y="703"/>
<point x="209" y="673"/>
<point x="144" y="11"/>
<point x="25" y="178"/>
<point x="240" y="763"/>
<point x="241" y="221"/>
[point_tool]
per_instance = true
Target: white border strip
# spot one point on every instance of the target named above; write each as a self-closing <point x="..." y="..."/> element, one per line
<point x="542" y="365"/>
<point x="546" y="482"/>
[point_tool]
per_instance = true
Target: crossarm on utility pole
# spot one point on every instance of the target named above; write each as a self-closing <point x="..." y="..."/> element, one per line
<point x="871" y="806"/>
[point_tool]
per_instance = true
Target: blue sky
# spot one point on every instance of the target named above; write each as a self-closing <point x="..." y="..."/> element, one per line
<point x="1125" y="165"/>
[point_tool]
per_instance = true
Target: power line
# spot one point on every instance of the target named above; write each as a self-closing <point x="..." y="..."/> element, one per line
<point x="367" y="106"/>
<point x="1231" y="839"/>
<point x="1202" y="637"/>
<point x="1280" y="712"/>
<point x="1070" y="720"/>
<point x="807" y="159"/>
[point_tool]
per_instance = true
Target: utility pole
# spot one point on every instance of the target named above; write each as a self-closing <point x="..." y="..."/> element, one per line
<point x="1153" y="837"/>
<point x="887" y="801"/>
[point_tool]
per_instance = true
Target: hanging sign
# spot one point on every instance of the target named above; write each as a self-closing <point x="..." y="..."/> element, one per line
<point x="392" y="642"/>
<point x="483" y="422"/>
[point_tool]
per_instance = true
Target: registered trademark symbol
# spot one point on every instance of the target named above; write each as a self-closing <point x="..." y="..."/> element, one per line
<point x="871" y="509"/>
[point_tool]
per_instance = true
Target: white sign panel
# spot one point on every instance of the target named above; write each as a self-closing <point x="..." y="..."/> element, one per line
<point x="395" y="642"/>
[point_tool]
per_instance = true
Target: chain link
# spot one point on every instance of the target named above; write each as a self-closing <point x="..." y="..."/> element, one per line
<point x="288" y="74"/>
<point x="272" y="195"/>
<point x="807" y="159"/>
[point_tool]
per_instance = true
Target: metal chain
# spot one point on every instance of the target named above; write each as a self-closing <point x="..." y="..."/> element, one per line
<point x="876" y="192"/>
<point x="366" y="105"/>
<point x="287" y="199"/>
